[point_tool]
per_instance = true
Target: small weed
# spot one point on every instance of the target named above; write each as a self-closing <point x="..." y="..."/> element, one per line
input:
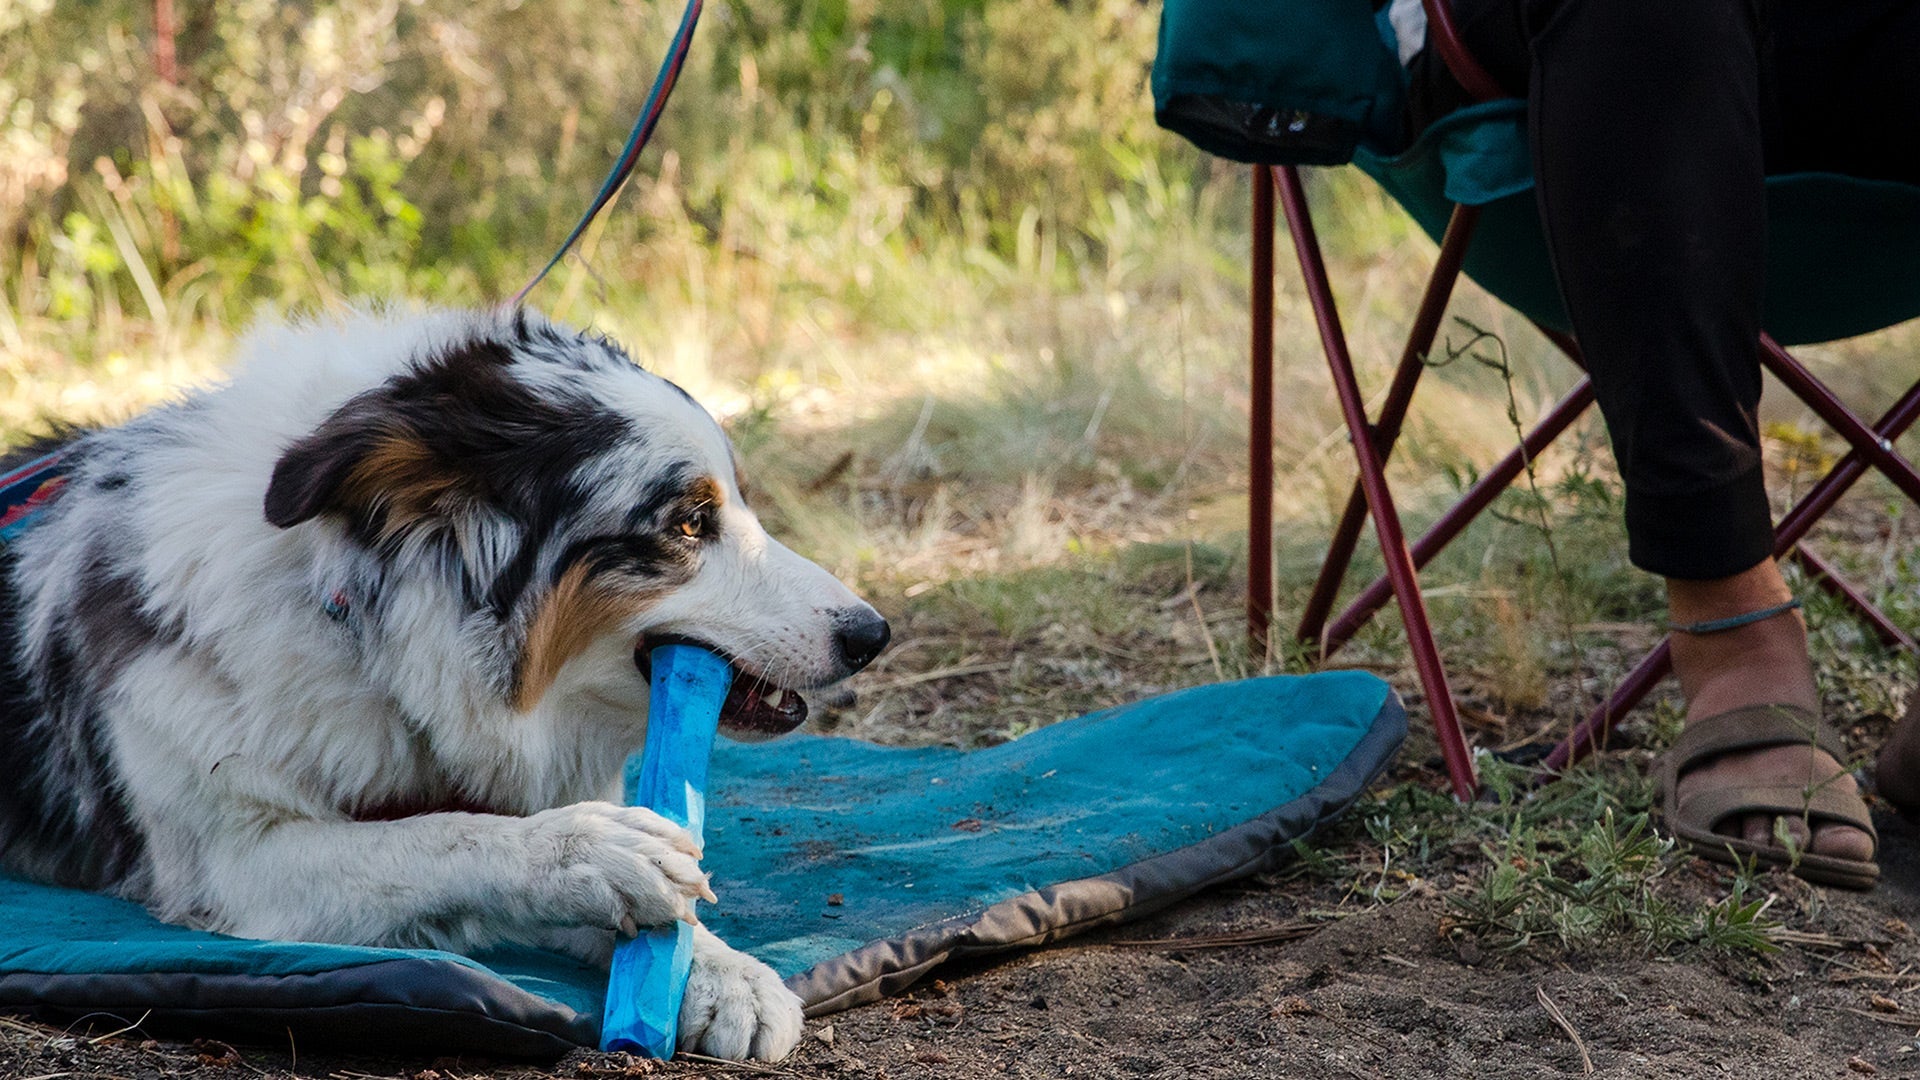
<point x="1582" y="887"/>
<point x="1572" y="889"/>
<point x="1738" y="923"/>
<point x="1406" y="842"/>
<point x="1575" y="864"/>
<point x="1311" y="860"/>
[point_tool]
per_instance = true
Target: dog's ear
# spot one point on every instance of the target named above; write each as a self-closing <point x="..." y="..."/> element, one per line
<point x="454" y="430"/>
<point x="392" y="454"/>
<point x="365" y="459"/>
<point x="312" y="471"/>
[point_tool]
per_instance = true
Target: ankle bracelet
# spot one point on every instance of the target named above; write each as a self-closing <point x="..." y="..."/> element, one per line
<point x="1733" y="622"/>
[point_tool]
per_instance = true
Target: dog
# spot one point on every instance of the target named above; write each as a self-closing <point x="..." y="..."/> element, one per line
<point x="351" y="648"/>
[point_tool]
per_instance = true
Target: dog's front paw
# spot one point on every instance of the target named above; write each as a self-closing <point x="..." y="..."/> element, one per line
<point x="613" y="867"/>
<point x="736" y="1007"/>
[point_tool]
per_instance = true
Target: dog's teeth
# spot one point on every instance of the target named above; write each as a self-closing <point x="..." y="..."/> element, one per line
<point x="773" y="699"/>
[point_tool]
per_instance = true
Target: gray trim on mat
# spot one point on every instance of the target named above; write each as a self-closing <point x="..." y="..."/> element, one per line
<point x="883" y="967"/>
<point x="421" y="1006"/>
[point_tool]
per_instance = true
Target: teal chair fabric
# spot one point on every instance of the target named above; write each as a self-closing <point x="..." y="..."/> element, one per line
<point x="1318" y="83"/>
<point x="1843" y="254"/>
<point x="1278" y="82"/>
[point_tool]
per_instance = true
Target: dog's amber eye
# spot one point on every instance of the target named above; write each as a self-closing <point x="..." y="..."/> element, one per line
<point x="698" y="524"/>
<point x="690" y="527"/>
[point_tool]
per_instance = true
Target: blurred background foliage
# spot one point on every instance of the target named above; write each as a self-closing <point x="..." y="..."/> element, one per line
<point x="295" y="154"/>
<point x="976" y="324"/>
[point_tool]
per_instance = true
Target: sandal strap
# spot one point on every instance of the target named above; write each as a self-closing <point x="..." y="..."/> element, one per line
<point x="1751" y="727"/>
<point x="1825" y="805"/>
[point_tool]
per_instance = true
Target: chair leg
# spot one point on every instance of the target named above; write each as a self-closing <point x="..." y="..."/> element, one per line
<point x="1821" y="498"/>
<point x="1876" y="448"/>
<point x="1386" y="520"/>
<point x="1393" y="412"/>
<point x="1476" y="499"/>
<point x="1260" y="421"/>
<point x="1592" y="732"/>
<point x="1455" y="521"/>
<point x="1822" y="573"/>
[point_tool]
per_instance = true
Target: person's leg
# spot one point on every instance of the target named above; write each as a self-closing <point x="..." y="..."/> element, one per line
<point x="1649" y="146"/>
<point x="1896" y="769"/>
<point x="1645" y="119"/>
<point x="1646" y="128"/>
<point x="1650" y="124"/>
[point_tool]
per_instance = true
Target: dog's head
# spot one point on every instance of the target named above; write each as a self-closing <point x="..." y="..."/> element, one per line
<point x="583" y="510"/>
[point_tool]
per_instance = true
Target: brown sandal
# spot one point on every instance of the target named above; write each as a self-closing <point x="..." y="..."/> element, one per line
<point x="1755" y="727"/>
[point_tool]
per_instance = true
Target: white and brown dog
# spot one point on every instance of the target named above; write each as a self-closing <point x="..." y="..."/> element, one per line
<point x="345" y="649"/>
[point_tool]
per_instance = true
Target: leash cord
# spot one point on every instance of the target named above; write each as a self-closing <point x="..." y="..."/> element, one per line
<point x="636" y="141"/>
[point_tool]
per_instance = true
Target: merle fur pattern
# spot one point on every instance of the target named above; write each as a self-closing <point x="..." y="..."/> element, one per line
<point x="343" y="648"/>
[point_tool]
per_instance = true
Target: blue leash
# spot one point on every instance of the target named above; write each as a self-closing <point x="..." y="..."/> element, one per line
<point x="636" y="141"/>
<point x="649" y="974"/>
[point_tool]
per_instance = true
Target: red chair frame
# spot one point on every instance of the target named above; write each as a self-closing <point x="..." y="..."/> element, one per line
<point x="1373" y="440"/>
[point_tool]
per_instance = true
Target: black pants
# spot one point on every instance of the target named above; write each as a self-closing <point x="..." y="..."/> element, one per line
<point x="1652" y="124"/>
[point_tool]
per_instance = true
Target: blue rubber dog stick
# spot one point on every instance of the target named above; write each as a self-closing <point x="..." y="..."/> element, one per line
<point x="649" y="974"/>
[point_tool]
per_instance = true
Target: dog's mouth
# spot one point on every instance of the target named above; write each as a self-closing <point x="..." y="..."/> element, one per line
<point x="754" y="706"/>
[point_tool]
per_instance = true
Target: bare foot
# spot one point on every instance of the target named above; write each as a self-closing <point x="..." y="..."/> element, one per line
<point x="1764" y="663"/>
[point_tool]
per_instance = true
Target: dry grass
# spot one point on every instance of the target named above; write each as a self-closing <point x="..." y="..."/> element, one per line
<point x="1049" y="499"/>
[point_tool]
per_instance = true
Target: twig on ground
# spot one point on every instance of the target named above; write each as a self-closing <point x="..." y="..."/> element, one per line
<point x="98" y="1039"/>
<point x="1856" y="975"/>
<point x="1554" y="1014"/>
<point x="743" y="1066"/>
<point x="1206" y="632"/>
<point x="1266" y="935"/>
<point x="1812" y="940"/>
<point x="23" y="1028"/>
<point x="936" y="675"/>
<point x="1911" y="1023"/>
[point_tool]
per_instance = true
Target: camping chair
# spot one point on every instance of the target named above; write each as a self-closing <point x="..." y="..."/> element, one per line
<point x="1842" y="261"/>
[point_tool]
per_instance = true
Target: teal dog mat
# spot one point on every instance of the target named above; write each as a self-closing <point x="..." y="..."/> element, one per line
<point x="853" y="869"/>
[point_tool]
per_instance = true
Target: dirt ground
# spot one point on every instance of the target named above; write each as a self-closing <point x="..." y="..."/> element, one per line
<point x="1272" y="978"/>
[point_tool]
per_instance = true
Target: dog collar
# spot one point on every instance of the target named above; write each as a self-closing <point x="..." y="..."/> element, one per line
<point x="338" y="607"/>
<point x="26" y="491"/>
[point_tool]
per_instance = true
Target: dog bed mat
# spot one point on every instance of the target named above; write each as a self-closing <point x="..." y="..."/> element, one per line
<point x="853" y="869"/>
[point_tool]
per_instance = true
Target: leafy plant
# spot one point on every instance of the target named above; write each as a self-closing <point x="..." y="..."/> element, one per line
<point x="1567" y="874"/>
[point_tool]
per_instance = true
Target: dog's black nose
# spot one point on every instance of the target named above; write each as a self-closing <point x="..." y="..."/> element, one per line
<point x="860" y="633"/>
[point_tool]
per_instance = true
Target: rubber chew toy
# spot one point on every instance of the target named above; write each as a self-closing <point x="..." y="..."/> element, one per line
<point x="649" y="974"/>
